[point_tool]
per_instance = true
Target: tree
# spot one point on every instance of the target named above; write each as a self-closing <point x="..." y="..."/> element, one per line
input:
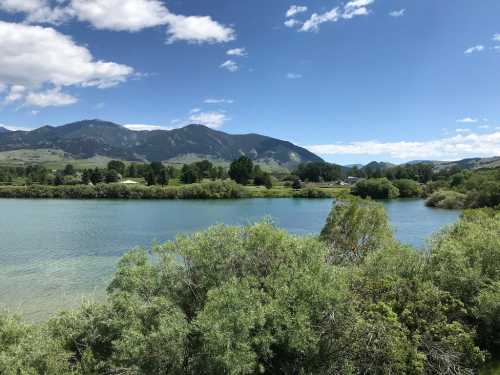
<point x="111" y="176"/>
<point x="241" y="170"/>
<point x="86" y="176"/>
<point x="189" y="174"/>
<point x="376" y="188"/>
<point x="157" y="167"/>
<point x="163" y="177"/>
<point x="97" y="176"/>
<point x="69" y="170"/>
<point x="355" y="228"/>
<point x="408" y="188"/>
<point x="59" y="179"/>
<point x="150" y="178"/>
<point x="318" y="171"/>
<point x="118" y="166"/>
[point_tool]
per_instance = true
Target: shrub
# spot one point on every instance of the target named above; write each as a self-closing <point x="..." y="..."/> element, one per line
<point x="376" y="188"/>
<point x="447" y="199"/>
<point x="408" y="188"/>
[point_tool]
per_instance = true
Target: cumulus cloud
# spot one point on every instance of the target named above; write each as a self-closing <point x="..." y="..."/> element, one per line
<point x="496" y="37"/>
<point x="50" y="98"/>
<point x="295" y="9"/>
<point x="124" y="15"/>
<point x="293" y="76"/>
<point x="397" y="13"/>
<point x="477" y="48"/>
<point x="34" y="57"/>
<point x="197" y="29"/>
<point x="452" y="148"/>
<point x="120" y="15"/>
<point x="218" y="101"/>
<point x="210" y="119"/>
<point x="468" y="120"/>
<point x="313" y="23"/>
<point x="241" y="52"/>
<point x="350" y="10"/>
<point x="230" y="65"/>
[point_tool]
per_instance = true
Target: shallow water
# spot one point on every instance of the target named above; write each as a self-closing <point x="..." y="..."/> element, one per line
<point x="53" y="253"/>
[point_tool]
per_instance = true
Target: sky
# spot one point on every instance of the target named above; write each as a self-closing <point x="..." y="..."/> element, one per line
<point x="352" y="81"/>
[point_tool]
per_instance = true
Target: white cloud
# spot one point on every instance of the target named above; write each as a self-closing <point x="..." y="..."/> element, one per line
<point x="36" y="10"/>
<point x="241" y="52"/>
<point x="292" y="23"/>
<point x="195" y="110"/>
<point x="484" y="127"/>
<point x="453" y="148"/>
<point x="462" y="130"/>
<point x="312" y="24"/>
<point x="35" y="57"/>
<point x="230" y="65"/>
<point x="120" y="15"/>
<point x="293" y="76"/>
<point x="397" y="13"/>
<point x="197" y="29"/>
<point x="357" y="8"/>
<point x="210" y="119"/>
<point x="351" y="9"/>
<point x="468" y="120"/>
<point x="218" y="101"/>
<point x="50" y="98"/>
<point x="16" y="93"/>
<point x="496" y="37"/>
<point x="124" y="15"/>
<point x="477" y="48"/>
<point x="295" y="9"/>
<point x="146" y="127"/>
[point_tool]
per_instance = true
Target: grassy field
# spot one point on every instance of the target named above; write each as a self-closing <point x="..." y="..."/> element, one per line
<point x="50" y="159"/>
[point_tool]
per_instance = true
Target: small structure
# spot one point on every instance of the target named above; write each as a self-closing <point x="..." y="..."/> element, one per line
<point x="129" y="182"/>
<point x="352" y="180"/>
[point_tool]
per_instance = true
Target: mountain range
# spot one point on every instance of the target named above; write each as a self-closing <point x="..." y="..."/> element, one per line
<point x="89" y="138"/>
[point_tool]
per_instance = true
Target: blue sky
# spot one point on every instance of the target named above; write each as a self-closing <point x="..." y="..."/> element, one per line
<point x="353" y="81"/>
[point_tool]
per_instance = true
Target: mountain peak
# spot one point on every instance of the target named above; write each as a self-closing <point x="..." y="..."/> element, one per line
<point x="4" y="130"/>
<point x="89" y="138"/>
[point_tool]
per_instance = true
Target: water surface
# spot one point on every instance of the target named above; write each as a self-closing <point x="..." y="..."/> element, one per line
<point x="55" y="252"/>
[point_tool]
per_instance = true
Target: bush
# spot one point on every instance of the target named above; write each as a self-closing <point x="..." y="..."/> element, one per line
<point x="447" y="199"/>
<point x="207" y="190"/>
<point x="376" y="188"/>
<point x="408" y="188"/>
<point x="258" y="300"/>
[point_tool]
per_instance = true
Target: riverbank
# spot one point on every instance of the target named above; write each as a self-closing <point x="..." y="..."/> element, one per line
<point x="204" y="190"/>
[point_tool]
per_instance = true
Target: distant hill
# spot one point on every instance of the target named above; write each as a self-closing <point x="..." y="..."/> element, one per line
<point x="472" y="163"/>
<point x="4" y="130"/>
<point x="375" y="165"/>
<point x="91" y="138"/>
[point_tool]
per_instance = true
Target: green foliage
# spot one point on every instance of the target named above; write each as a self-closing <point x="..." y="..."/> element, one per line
<point x="241" y="170"/>
<point x="117" y="166"/>
<point x="447" y="199"/>
<point x="318" y="172"/>
<point x="376" y="188"/>
<point x="408" y="188"/>
<point x="206" y="190"/>
<point x="356" y="228"/>
<point x="258" y="300"/>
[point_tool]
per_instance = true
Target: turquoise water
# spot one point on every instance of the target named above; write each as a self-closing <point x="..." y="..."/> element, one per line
<point x="53" y="253"/>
